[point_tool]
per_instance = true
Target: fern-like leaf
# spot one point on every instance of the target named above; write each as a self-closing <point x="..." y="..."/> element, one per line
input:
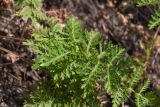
<point x="141" y="100"/>
<point x="147" y="2"/>
<point x="30" y="9"/>
<point x="155" y="21"/>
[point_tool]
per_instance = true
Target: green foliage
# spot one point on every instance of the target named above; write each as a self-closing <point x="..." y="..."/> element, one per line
<point x="30" y="9"/>
<point x="147" y="2"/>
<point x="69" y="57"/>
<point x="155" y="21"/>
<point x="44" y="96"/>
<point x="75" y="66"/>
<point x="142" y="101"/>
<point x="153" y="99"/>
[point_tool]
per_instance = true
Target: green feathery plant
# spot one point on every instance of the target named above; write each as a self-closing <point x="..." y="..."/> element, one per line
<point x="147" y="2"/>
<point x="75" y="66"/>
<point x="76" y="60"/>
<point x="30" y="9"/>
<point x="155" y="21"/>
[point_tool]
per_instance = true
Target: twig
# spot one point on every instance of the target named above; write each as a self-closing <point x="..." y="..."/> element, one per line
<point x="10" y="55"/>
<point x="5" y="64"/>
<point x="14" y="76"/>
<point x="13" y="38"/>
<point x="156" y="33"/>
<point x="6" y="50"/>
